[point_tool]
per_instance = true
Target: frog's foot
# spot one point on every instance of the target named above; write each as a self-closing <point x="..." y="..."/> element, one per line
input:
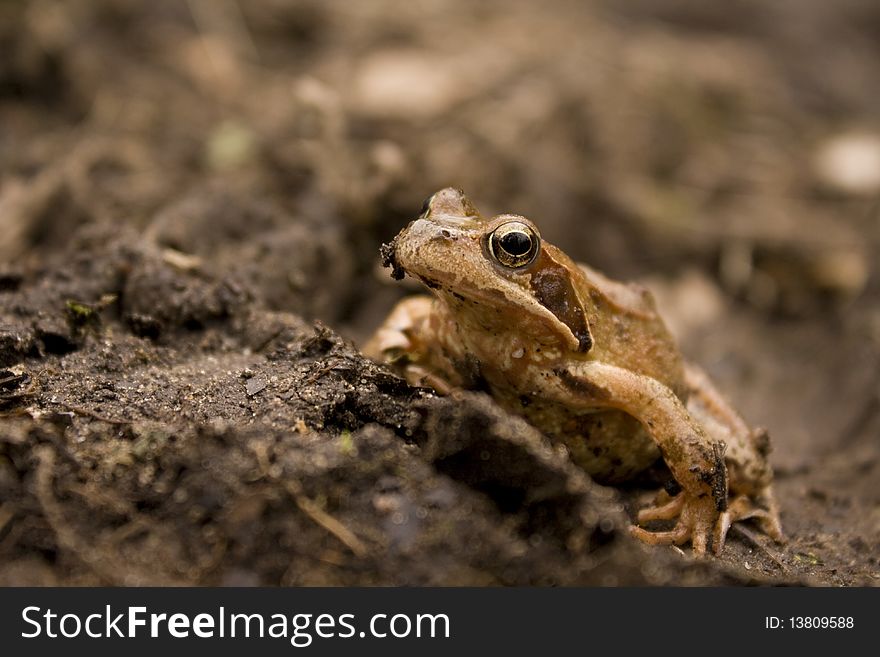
<point x="665" y="508"/>
<point x="744" y="507"/>
<point x="698" y="519"/>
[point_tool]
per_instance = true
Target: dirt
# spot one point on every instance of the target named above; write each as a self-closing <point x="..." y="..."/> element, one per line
<point x="192" y="200"/>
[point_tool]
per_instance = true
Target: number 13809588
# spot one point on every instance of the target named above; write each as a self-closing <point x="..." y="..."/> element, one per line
<point x="809" y="622"/>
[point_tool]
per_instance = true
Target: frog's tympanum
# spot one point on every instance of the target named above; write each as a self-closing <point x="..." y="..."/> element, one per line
<point x="585" y="359"/>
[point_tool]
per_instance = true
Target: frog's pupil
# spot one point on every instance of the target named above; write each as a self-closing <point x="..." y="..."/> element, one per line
<point x="516" y="243"/>
<point x="513" y="244"/>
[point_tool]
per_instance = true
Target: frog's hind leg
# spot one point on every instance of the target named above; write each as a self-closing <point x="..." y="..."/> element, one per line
<point x="399" y="333"/>
<point x="406" y="342"/>
<point x="746" y="457"/>
<point x="765" y="512"/>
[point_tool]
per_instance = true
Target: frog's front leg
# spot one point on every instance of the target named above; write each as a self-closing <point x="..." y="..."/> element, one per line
<point x="695" y="458"/>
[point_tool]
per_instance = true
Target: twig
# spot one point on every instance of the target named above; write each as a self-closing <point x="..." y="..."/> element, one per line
<point x="325" y="520"/>
<point x="311" y="509"/>
<point x="91" y="414"/>
<point x="753" y="538"/>
<point x="9" y="398"/>
<point x="93" y="552"/>
<point x="55" y="515"/>
<point x="15" y="378"/>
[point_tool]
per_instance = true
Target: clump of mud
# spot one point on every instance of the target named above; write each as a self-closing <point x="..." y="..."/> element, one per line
<point x="162" y="429"/>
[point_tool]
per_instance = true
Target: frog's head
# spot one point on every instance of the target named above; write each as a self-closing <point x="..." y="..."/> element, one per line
<point x="495" y="273"/>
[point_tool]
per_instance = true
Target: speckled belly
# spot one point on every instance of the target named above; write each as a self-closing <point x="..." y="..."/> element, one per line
<point x="610" y="446"/>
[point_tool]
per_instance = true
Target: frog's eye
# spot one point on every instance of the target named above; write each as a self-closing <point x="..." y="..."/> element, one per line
<point x="514" y="244"/>
<point x="426" y="207"/>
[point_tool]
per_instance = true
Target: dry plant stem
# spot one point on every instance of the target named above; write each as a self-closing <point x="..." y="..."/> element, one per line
<point x="314" y="512"/>
<point x="95" y="416"/>
<point x="773" y="555"/>
<point x="325" y="520"/>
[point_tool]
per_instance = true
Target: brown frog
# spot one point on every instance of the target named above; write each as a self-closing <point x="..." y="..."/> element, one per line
<point x="585" y="359"/>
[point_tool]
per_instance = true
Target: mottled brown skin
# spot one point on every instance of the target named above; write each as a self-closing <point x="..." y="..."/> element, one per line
<point x="586" y="360"/>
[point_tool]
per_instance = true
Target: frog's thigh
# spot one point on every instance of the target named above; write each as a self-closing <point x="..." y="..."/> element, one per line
<point x="749" y="471"/>
<point x="399" y="333"/>
<point x="405" y="340"/>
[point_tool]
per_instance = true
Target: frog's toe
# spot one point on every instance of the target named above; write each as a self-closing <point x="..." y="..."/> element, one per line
<point x="771" y="526"/>
<point x="744" y="508"/>
<point x="722" y="525"/>
<point x="668" y="511"/>
<point x="698" y="520"/>
<point x="675" y="536"/>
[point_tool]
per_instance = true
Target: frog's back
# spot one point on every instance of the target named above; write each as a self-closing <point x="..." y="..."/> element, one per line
<point x="629" y="332"/>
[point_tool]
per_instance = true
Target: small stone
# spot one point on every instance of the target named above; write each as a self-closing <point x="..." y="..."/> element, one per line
<point x="850" y="163"/>
<point x="255" y="385"/>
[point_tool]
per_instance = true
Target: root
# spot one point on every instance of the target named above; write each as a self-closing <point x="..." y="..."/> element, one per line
<point x="95" y="554"/>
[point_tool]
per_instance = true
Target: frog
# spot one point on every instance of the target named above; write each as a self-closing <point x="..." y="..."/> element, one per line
<point x="585" y="359"/>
